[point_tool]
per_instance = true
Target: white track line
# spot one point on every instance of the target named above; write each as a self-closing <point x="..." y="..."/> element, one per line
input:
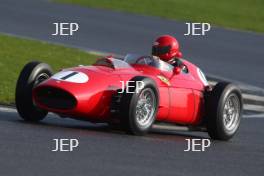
<point x="241" y="86"/>
<point x="253" y="97"/>
<point x="247" y="96"/>
<point x="250" y="107"/>
<point x="254" y="116"/>
<point x="6" y="109"/>
<point x="250" y="87"/>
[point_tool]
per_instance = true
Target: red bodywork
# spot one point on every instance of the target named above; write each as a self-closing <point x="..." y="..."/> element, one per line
<point x="181" y="98"/>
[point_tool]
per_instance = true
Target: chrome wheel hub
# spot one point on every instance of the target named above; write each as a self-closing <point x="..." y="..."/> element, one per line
<point x="145" y="107"/>
<point x="231" y="112"/>
<point x="40" y="78"/>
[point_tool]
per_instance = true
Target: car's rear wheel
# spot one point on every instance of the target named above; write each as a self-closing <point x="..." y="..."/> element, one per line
<point x="138" y="109"/>
<point x="224" y="111"/>
<point x="32" y="74"/>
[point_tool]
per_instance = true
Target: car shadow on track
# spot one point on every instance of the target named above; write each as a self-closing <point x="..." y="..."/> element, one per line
<point x="86" y="129"/>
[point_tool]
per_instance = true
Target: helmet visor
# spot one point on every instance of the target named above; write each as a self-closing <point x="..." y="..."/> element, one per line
<point x="157" y="50"/>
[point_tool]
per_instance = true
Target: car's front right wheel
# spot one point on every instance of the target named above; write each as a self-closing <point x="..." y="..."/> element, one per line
<point x="224" y="107"/>
<point x="32" y="74"/>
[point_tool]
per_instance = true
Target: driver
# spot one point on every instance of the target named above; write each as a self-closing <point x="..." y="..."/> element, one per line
<point x="167" y="49"/>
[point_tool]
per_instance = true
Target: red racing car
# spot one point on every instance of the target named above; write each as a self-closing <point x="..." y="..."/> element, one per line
<point x="134" y="92"/>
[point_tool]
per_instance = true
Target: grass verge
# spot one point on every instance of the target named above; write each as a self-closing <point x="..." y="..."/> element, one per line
<point x="239" y="14"/>
<point x="16" y="52"/>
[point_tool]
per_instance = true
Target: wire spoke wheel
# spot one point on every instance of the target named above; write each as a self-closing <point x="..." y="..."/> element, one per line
<point x="40" y="78"/>
<point x="145" y="107"/>
<point x="231" y="112"/>
<point x="138" y="110"/>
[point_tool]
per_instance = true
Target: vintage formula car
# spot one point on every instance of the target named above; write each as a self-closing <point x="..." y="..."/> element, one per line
<point x="133" y="92"/>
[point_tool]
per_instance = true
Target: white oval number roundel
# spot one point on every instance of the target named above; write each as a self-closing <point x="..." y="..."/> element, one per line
<point x="71" y="76"/>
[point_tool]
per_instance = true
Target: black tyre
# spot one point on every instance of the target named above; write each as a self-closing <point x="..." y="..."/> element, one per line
<point x="32" y="74"/>
<point x="224" y="107"/>
<point x="138" y="109"/>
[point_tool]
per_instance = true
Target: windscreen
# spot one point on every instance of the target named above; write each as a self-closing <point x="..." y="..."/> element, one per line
<point x="148" y="60"/>
<point x="112" y="63"/>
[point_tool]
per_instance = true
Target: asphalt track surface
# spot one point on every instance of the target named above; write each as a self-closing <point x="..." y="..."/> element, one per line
<point x="25" y="149"/>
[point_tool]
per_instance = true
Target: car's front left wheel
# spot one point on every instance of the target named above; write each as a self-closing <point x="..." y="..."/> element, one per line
<point x="138" y="109"/>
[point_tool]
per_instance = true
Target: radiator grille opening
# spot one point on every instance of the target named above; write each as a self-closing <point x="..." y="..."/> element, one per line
<point x="55" y="98"/>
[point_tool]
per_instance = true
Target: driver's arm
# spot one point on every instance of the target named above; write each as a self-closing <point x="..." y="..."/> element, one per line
<point x="179" y="63"/>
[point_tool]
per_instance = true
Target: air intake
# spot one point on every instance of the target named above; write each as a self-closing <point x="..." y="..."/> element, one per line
<point x="55" y="98"/>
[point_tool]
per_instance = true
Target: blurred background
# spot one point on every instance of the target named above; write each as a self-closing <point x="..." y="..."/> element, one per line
<point x="232" y="50"/>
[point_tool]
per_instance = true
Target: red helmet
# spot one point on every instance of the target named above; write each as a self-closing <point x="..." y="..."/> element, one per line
<point x="166" y="47"/>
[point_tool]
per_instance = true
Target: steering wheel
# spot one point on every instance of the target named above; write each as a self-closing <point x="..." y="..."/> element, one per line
<point x="147" y="60"/>
<point x="140" y="58"/>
